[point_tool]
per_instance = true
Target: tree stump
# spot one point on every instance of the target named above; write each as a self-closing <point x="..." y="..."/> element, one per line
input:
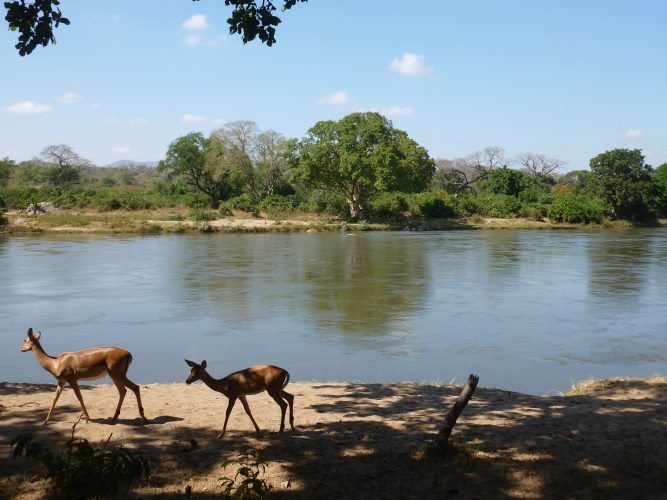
<point x="441" y="442"/>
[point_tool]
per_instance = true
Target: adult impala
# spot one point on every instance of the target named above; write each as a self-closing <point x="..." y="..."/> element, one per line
<point x="87" y="364"/>
<point x="252" y="380"/>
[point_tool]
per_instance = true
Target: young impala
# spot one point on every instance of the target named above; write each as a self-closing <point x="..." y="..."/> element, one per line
<point x="70" y="367"/>
<point x="252" y="380"/>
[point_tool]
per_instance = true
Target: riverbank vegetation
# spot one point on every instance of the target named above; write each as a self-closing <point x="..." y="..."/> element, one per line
<point x="355" y="171"/>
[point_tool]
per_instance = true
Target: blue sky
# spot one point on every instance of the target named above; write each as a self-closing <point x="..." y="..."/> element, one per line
<point x="568" y="79"/>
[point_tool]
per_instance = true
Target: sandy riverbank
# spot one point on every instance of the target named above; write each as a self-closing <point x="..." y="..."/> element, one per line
<point x="368" y="440"/>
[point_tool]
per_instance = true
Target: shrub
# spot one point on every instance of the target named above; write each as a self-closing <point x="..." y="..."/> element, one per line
<point x="578" y="209"/>
<point x="3" y="219"/>
<point x="81" y="470"/>
<point x="328" y="203"/>
<point x="388" y="205"/>
<point x="200" y="215"/>
<point x="535" y="211"/>
<point x="431" y="205"/>
<point x="246" y="483"/>
<point x="243" y="202"/>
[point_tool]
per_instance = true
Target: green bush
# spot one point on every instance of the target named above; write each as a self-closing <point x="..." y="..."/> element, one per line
<point x="535" y="211"/>
<point x="431" y="205"/>
<point x="81" y="470"/>
<point x="388" y="205"/>
<point x="289" y="203"/>
<point x="201" y="215"/>
<point x="328" y="203"/>
<point x="243" y="202"/>
<point x="3" y="219"/>
<point x="246" y="483"/>
<point x="578" y="209"/>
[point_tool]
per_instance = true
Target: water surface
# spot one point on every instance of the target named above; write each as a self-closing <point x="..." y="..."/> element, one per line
<point x="526" y="310"/>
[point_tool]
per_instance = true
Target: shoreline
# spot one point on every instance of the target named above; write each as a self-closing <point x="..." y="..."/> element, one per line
<point x="367" y="440"/>
<point x="157" y="222"/>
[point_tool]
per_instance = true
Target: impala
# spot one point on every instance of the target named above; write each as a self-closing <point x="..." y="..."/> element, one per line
<point x="87" y="364"/>
<point x="252" y="380"/>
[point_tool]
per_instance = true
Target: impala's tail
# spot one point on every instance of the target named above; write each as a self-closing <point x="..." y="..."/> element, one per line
<point x="286" y="379"/>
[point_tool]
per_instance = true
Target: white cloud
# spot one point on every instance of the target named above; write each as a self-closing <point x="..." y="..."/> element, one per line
<point x="337" y="98"/>
<point x="189" y="118"/>
<point x="130" y="122"/>
<point x="218" y="121"/>
<point x="197" y="22"/>
<point x="410" y="64"/>
<point x="193" y="40"/>
<point x="28" y="108"/>
<point x="69" y="98"/>
<point x="120" y="150"/>
<point x="634" y="133"/>
<point x="397" y="111"/>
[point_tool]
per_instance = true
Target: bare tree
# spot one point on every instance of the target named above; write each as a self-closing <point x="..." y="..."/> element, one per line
<point x="538" y="164"/>
<point x="62" y="165"/>
<point x="234" y="152"/>
<point x="272" y="166"/>
<point x="461" y="174"/>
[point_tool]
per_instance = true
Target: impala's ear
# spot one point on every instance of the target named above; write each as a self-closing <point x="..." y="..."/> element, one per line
<point x="29" y="332"/>
<point x="191" y="364"/>
<point x="203" y="364"/>
<point x="37" y="335"/>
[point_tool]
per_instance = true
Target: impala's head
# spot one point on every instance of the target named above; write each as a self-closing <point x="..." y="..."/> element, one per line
<point x="30" y="340"/>
<point x="196" y="372"/>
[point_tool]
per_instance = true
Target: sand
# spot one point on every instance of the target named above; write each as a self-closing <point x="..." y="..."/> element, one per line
<point x="366" y="440"/>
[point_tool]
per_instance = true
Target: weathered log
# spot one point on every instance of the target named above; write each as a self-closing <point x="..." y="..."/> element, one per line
<point x="441" y="441"/>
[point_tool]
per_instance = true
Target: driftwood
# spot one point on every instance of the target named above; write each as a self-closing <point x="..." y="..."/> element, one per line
<point x="440" y="443"/>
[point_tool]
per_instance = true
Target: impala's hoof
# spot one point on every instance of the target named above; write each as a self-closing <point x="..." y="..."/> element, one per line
<point x="221" y="435"/>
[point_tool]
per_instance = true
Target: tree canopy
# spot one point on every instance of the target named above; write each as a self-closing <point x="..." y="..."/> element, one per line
<point x="36" y="20"/>
<point x="626" y="183"/>
<point x="358" y="156"/>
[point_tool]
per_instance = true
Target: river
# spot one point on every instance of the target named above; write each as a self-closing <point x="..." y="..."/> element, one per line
<point x="530" y="311"/>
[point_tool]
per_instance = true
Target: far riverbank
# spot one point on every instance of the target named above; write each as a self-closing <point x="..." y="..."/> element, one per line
<point x="177" y="221"/>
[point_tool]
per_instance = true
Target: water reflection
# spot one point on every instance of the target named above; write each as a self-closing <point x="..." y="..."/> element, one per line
<point x="618" y="265"/>
<point x="336" y="283"/>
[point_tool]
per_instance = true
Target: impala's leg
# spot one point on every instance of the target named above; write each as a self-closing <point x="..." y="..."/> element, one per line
<point x="73" y="383"/>
<point x="283" y="408"/>
<point x="59" y="389"/>
<point x="122" y="379"/>
<point x="227" y="413"/>
<point x="290" y="401"/>
<point x="244" y="402"/>
<point x="121" y="396"/>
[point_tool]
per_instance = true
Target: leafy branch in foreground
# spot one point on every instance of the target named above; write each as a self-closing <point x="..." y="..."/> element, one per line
<point x="82" y="470"/>
<point x="250" y="466"/>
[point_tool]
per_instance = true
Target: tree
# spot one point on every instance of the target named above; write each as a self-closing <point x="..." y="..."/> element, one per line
<point x="578" y="182"/>
<point x="272" y="169"/>
<point x="36" y="20"/>
<point x="7" y="167"/>
<point x="358" y="156"/>
<point x="506" y="181"/>
<point x="186" y="158"/>
<point x="538" y="164"/>
<point x="626" y="183"/>
<point x="464" y="174"/>
<point x="61" y="165"/>
<point x="232" y="155"/>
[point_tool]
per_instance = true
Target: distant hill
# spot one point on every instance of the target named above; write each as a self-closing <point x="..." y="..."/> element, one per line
<point x="132" y="163"/>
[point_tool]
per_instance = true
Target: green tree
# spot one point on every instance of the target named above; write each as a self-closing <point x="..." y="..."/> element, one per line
<point x="626" y="183"/>
<point x="358" y="156"/>
<point x="35" y="20"/>
<point x="579" y="182"/>
<point x="660" y="177"/>
<point x="186" y="159"/>
<point x="506" y="181"/>
<point x="7" y="167"/>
